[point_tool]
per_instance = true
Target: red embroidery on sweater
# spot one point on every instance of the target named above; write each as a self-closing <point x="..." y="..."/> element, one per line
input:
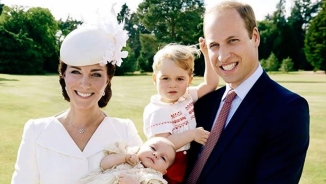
<point x="180" y="125"/>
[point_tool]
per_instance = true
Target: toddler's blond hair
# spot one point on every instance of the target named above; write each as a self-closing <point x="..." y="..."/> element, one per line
<point x="182" y="55"/>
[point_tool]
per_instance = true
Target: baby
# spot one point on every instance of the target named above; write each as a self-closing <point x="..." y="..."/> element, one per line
<point x="124" y="164"/>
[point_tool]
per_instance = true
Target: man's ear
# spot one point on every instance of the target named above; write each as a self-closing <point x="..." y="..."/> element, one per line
<point x="256" y="36"/>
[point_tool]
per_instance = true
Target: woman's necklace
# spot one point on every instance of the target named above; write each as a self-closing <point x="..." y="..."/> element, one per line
<point x="80" y="130"/>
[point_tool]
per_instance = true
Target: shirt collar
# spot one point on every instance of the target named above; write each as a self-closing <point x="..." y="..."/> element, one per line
<point x="156" y="99"/>
<point x="246" y="85"/>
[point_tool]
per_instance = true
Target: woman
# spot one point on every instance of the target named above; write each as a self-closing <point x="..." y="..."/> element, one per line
<point x="64" y="147"/>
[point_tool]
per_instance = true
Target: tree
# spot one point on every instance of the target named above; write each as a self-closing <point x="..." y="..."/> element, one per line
<point x="177" y="21"/>
<point x="18" y="54"/>
<point x="65" y="27"/>
<point x="301" y="14"/>
<point x="149" y="47"/>
<point x="42" y="28"/>
<point x="315" y="42"/>
<point x="128" y="64"/>
<point x="286" y="65"/>
<point x="135" y="29"/>
<point x="282" y="35"/>
<point x="133" y="43"/>
<point x="37" y="28"/>
<point x="268" y="34"/>
<point x="1" y="8"/>
<point x="172" y="20"/>
<point x="271" y="63"/>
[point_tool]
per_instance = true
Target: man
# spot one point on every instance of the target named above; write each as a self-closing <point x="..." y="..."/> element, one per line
<point x="266" y="134"/>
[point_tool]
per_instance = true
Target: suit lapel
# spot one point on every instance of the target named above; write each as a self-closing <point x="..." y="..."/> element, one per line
<point x="237" y="121"/>
<point x="56" y="138"/>
<point x="101" y="135"/>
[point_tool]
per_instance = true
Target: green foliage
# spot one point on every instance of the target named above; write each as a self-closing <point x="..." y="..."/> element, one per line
<point x="271" y="63"/>
<point x="1" y="8"/>
<point x="131" y="21"/>
<point x="268" y="34"/>
<point x="177" y="21"/>
<point x="315" y="42"/>
<point x="128" y="65"/>
<point x="284" y="35"/>
<point x="149" y="47"/>
<point x="18" y="54"/>
<point x="263" y="64"/>
<point x="172" y="20"/>
<point x="42" y="28"/>
<point x="144" y="64"/>
<point x="34" y="33"/>
<point x="134" y="29"/>
<point x="301" y="14"/>
<point x="286" y="65"/>
<point x="65" y="27"/>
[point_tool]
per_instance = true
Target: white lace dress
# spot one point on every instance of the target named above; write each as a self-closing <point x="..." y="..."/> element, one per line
<point x="111" y="176"/>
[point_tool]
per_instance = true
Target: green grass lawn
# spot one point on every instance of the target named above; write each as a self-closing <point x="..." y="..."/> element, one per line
<point x="25" y="97"/>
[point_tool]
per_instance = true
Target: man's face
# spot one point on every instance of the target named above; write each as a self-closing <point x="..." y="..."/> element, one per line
<point x="233" y="55"/>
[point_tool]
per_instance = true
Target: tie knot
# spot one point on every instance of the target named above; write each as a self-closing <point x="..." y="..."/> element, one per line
<point x="230" y="96"/>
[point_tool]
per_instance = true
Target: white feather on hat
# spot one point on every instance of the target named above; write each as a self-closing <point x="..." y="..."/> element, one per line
<point x="95" y="44"/>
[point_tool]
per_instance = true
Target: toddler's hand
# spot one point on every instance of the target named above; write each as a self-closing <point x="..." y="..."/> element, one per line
<point x="201" y="135"/>
<point x="132" y="159"/>
<point x="203" y="46"/>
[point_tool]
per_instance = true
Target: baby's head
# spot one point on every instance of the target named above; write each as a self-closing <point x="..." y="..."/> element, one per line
<point x="157" y="153"/>
<point x="182" y="55"/>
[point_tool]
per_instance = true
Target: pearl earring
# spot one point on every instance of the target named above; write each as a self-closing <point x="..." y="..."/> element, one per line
<point x="103" y="93"/>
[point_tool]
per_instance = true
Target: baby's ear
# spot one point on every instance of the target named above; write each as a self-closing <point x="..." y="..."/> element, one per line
<point x="164" y="172"/>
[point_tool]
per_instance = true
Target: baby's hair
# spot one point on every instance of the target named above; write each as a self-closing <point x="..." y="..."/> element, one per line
<point x="182" y="55"/>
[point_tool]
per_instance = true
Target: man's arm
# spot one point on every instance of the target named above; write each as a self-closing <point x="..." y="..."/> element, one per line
<point x="284" y="157"/>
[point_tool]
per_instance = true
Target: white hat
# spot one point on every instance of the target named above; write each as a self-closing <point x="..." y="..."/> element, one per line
<point x="95" y="44"/>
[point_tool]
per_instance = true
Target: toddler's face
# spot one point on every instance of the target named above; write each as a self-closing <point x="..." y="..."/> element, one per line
<point x="171" y="81"/>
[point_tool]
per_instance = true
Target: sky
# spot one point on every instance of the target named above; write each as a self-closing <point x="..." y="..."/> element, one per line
<point x="84" y="10"/>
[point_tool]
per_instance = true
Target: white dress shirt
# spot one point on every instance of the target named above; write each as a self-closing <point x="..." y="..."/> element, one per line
<point x="241" y="92"/>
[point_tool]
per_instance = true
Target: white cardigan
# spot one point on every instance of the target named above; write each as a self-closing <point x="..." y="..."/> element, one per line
<point x="47" y="153"/>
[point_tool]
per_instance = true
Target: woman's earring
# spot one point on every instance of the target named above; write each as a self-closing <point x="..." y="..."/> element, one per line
<point x="103" y="93"/>
<point x="66" y="88"/>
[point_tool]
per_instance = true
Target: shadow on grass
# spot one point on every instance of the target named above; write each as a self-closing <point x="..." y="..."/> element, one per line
<point x="4" y="79"/>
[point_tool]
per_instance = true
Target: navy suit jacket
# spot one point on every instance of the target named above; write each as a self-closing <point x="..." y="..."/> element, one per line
<point x="265" y="141"/>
